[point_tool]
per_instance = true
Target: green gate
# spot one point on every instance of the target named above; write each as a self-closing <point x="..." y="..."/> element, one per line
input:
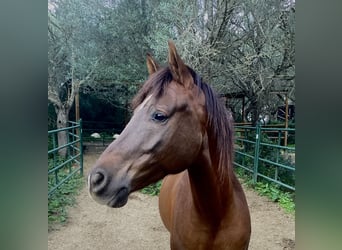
<point x="62" y="169"/>
<point x="264" y="153"/>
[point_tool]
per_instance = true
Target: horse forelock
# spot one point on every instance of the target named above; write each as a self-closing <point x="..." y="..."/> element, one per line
<point x="156" y="83"/>
<point x="220" y="122"/>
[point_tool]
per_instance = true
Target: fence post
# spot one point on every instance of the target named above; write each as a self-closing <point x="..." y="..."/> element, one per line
<point x="256" y="152"/>
<point x="81" y="147"/>
<point x="54" y="145"/>
<point x="278" y="152"/>
<point x="69" y="148"/>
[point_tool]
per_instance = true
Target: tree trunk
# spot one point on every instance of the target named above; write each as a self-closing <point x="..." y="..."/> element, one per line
<point x="255" y="115"/>
<point x="62" y="122"/>
<point x="252" y="112"/>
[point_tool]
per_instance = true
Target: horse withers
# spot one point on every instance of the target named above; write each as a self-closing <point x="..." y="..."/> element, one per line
<point x="181" y="132"/>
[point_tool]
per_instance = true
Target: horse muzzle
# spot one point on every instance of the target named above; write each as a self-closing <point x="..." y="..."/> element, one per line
<point x="106" y="190"/>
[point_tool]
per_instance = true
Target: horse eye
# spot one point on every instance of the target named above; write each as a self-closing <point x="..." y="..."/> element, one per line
<point x="159" y="117"/>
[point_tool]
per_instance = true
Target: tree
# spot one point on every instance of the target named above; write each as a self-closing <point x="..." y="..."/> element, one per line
<point x="72" y="57"/>
<point x="100" y="46"/>
<point x="96" y="47"/>
<point x="264" y="62"/>
<point x="241" y="46"/>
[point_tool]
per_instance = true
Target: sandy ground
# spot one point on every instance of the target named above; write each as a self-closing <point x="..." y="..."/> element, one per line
<point x="138" y="225"/>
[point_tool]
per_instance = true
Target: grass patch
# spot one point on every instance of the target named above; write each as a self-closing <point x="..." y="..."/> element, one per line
<point x="63" y="197"/>
<point x="153" y="189"/>
<point x="271" y="190"/>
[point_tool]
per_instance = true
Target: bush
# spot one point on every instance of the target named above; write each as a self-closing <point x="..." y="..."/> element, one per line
<point x="273" y="191"/>
<point x="153" y="189"/>
<point x="269" y="153"/>
<point x="63" y="196"/>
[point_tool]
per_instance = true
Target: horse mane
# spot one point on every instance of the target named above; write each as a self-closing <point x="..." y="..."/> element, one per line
<point x="219" y="122"/>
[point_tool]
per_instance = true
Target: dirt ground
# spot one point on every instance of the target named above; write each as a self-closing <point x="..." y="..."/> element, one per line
<point x="138" y="225"/>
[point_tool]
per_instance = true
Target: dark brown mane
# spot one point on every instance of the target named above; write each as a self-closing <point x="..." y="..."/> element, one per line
<point x="220" y="121"/>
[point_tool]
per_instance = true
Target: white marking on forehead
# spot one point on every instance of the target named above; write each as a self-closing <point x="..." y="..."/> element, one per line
<point x="144" y="103"/>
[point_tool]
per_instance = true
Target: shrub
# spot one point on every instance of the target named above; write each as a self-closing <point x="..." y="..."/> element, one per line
<point x="63" y="196"/>
<point x="153" y="189"/>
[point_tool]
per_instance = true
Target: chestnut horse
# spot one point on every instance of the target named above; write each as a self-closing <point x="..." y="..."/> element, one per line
<point x="179" y="130"/>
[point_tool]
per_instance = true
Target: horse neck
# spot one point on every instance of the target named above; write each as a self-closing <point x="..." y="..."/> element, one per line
<point x="211" y="193"/>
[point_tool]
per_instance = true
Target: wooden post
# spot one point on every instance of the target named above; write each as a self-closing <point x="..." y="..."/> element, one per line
<point x="77" y="106"/>
<point x="77" y="114"/>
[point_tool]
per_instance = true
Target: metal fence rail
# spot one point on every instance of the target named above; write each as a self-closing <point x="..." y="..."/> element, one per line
<point x="62" y="169"/>
<point x="261" y="152"/>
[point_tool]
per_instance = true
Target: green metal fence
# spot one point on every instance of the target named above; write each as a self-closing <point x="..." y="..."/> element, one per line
<point x="264" y="153"/>
<point x="61" y="169"/>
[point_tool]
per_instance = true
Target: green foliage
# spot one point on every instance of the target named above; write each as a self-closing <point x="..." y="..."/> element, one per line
<point x="63" y="197"/>
<point x="228" y="43"/>
<point x="153" y="189"/>
<point x="270" y="153"/>
<point x="273" y="191"/>
<point x="274" y="154"/>
<point x="50" y="144"/>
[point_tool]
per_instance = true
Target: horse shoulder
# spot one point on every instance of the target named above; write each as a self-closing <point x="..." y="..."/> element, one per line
<point x="236" y="224"/>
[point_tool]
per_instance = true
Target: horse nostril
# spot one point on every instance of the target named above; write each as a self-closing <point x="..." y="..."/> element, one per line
<point x="97" y="178"/>
<point x="98" y="181"/>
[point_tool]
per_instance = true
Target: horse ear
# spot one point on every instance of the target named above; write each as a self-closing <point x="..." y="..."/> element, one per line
<point x="179" y="70"/>
<point x="152" y="66"/>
